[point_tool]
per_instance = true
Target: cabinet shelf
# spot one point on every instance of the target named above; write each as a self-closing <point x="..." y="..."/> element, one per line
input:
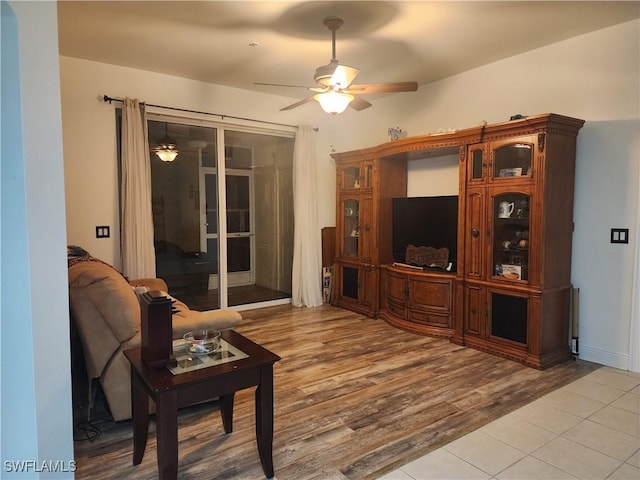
<point x="506" y="279"/>
<point x="512" y="221"/>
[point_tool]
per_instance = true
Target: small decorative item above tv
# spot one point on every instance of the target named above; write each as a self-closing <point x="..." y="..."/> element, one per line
<point x="426" y="222"/>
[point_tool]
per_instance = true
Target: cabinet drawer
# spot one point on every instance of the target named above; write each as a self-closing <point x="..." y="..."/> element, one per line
<point x="430" y="318"/>
<point x="432" y="294"/>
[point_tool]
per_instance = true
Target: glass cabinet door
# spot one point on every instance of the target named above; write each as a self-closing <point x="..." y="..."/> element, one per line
<point x="510" y="245"/>
<point x="476" y="164"/>
<point x="350" y="282"/>
<point x="350" y="228"/>
<point x="351" y="177"/>
<point x="358" y="176"/>
<point x="509" y="314"/>
<point x="367" y="179"/>
<point x="513" y="159"/>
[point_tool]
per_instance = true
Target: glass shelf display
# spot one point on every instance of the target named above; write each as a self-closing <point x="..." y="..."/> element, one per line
<point x="351" y="228"/>
<point x="357" y="177"/>
<point x="351" y="178"/>
<point x="505" y="160"/>
<point x="511" y="236"/>
<point x="513" y="160"/>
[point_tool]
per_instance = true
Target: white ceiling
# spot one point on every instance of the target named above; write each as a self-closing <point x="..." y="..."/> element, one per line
<point x="387" y="40"/>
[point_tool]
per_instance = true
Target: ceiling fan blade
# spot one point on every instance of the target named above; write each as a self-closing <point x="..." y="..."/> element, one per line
<point x="281" y="85"/>
<point x="343" y="75"/>
<point x="359" y="104"/>
<point x="389" y="87"/>
<point x="297" y="104"/>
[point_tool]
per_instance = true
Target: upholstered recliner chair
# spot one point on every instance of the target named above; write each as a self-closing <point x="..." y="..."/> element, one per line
<point x="106" y="313"/>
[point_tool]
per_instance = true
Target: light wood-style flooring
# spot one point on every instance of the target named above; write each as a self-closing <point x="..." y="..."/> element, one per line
<point x="354" y="399"/>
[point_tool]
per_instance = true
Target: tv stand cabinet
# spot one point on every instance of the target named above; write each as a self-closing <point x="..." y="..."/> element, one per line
<point x="511" y="294"/>
<point x="418" y="301"/>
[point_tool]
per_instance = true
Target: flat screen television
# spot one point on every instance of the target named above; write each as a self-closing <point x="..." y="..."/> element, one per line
<point x="425" y="222"/>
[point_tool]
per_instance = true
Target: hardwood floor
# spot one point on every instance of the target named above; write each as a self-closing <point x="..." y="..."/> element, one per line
<point x="354" y="398"/>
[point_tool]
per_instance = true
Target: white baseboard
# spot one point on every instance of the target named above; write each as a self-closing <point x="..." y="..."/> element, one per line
<point x="603" y="357"/>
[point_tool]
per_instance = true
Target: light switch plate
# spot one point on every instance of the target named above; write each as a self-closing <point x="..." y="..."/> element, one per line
<point x="619" y="235"/>
<point x="102" y="231"/>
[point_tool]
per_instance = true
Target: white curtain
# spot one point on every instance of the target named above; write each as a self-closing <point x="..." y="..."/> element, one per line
<point x="307" y="244"/>
<point x="136" y="221"/>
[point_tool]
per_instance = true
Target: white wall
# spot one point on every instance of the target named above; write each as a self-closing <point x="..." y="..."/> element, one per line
<point x="431" y="177"/>
<point x="35" y="357"/>
<point x="593" y="77"/>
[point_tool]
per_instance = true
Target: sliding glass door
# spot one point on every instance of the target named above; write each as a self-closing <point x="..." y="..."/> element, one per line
<point x="223" y="214"/>
<point x="179" y="215"/>
<point x="259" y="172"/>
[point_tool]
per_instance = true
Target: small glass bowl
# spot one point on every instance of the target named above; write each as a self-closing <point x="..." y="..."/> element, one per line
<point x="203" y="342"/>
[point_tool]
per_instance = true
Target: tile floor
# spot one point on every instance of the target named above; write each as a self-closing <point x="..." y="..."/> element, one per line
<point x="589" y="429"/>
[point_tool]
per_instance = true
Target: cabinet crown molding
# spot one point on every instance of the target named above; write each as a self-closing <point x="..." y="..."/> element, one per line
<point x="423" y="146"/>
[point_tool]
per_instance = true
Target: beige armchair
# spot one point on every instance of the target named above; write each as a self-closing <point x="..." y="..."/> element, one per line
<point x="106" y="314"/>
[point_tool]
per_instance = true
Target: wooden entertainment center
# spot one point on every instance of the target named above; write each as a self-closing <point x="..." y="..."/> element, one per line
<point x="510" y="289"/>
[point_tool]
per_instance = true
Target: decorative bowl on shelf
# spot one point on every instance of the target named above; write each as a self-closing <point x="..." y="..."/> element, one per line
<point x="203" y="342"/>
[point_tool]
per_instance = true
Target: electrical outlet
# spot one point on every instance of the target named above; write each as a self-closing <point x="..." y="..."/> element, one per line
<point x="619" y="235"/>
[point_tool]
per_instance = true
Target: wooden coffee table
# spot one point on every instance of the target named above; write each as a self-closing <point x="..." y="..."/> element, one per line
<point x="171" y="392"/>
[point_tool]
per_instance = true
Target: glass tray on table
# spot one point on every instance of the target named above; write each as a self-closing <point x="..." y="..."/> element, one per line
<point x="188" y="361"/>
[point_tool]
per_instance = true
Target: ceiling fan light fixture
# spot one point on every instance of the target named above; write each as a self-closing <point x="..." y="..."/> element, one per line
<point x="334" y="102"/>
<point x="166" y="150"/>
<point x="335" y="80"/>
<point x="167" y="155"/>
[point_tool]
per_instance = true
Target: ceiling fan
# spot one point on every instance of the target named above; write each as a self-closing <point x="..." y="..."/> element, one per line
<point x="335" y="91"/>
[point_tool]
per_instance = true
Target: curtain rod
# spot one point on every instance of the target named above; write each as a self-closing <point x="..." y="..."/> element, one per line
<point x="109" y="99"/>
